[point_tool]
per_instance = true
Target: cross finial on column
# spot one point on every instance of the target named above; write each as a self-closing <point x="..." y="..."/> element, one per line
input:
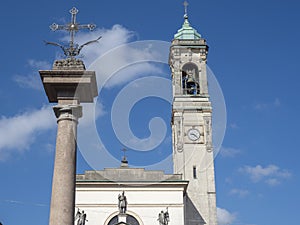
<point x="72" y="27"/>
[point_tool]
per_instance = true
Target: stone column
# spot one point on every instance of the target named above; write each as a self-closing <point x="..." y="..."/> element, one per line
<point x="68" y="84"/>
<point x="63" y="183"/>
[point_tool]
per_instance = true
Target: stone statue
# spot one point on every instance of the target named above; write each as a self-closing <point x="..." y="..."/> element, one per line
<point x="122" y="203"/>
<point x="163" y="217"/>
<point x="167" y="217"/>
<point x="80" y="217"/>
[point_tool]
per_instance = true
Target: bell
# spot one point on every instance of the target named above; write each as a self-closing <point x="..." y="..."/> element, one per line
<point x="190" y="80"/>
<point x="191" y="86"/>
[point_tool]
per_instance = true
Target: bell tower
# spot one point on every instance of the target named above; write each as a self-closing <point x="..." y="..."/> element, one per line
<point x="192" y="124"/>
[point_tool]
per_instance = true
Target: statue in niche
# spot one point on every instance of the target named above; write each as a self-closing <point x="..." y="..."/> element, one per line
<point x="122" y="203"/>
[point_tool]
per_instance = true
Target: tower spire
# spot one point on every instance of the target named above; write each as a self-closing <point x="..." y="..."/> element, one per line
<point x="187" y="31"/>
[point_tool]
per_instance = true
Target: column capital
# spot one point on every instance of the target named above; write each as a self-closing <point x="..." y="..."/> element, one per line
<point x="67" y="112"/>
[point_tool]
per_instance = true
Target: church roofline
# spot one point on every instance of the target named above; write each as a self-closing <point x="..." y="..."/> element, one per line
<point x="175" y="184"/>
<point x="126" y="174"/>
<point x="132" y="181"/>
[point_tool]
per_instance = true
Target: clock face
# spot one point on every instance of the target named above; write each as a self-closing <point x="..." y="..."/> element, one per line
<point x="193" y="134"/>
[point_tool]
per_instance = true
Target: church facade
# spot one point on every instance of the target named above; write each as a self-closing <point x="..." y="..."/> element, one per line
<point x="139" y="197"/>
<point x="147" y="193"/>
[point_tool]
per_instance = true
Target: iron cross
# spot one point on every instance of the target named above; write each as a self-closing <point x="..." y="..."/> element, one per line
<point x="72" y="27"/>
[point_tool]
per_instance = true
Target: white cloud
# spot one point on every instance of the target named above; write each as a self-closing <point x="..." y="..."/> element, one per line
<point x="263" y="106"/>
<point x="131" y="72"/>
<point x="239" y="192"/>
<point x="277" y="102"/>
<point x="50" y="148"/>
<point x="90" y="113"/>
<point x="32" y="79"/>
<point x="28" y="81"/>
<point x="111" y="38"/>
<point x="228" y="180"/>
<point x="273" y="181"/>
<point x="270" y="174"/>
<point x="19" y="131"/>
<point x="234" y="126"/>
<point x="134" y="57"/>
<point x="112" y="62"/>
<point x="39" y="65"/>
<point x="225" y="217"/>
<point x="229" y="152"/>
<point x="118" y="59"/>
<point x="128" y="62"/>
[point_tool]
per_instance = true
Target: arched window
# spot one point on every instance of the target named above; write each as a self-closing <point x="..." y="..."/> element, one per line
<point x="190" y="79"/>
<point x="132" y="220"/>
<point x="113" y="221"/>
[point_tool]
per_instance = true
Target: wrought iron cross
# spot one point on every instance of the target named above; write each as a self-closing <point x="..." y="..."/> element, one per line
<point x="72" y="27"/>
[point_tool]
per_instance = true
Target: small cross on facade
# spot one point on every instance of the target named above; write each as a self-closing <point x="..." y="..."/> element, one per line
<point x="124" y="161"/>
<point x="124" y="150"/>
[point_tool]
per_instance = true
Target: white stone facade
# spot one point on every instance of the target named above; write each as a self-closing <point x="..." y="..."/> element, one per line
<point x="146" y="199"/>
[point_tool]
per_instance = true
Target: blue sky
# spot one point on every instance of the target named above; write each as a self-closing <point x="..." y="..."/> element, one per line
<point x="254" y="48"/>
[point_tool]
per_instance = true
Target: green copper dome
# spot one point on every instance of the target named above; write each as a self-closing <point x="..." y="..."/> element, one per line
<point x="187" y="32"/>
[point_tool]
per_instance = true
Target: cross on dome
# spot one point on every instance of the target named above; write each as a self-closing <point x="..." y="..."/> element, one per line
<point x="187" y="32"/>
<point x="185" y="8"/>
